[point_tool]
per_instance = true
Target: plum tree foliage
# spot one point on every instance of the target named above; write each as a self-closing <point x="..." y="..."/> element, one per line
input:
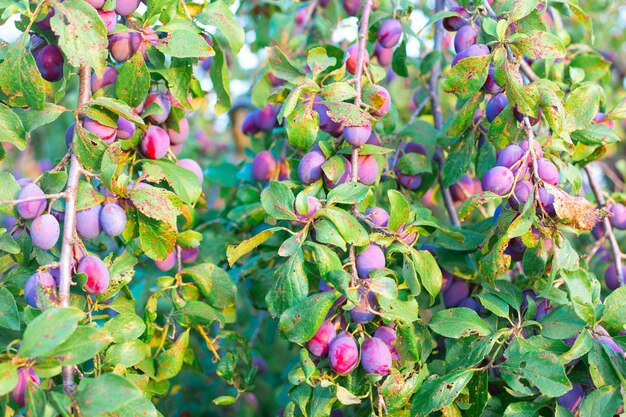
<point x="421" y="210"/>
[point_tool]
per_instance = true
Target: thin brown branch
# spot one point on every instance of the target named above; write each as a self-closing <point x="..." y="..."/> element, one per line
<point x="27" y="199"/>
<point x="360" y="62"/>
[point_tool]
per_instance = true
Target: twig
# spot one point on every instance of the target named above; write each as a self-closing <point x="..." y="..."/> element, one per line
<point x="360" y="61"/>
<point x="608" y="229"/>
<point x="438" y="116"/>
<point x="527" y="70"/>
<point x="69" y="222"/>
<point x="27" y="199"/>
<point x="418" y="110"/>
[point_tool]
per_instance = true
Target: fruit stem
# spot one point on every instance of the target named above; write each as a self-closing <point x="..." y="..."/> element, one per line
<point x="69" y="222"/>
<point x="617" y="253"/>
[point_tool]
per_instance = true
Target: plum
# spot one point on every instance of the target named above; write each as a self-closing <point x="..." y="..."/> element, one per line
<point x="319" y="343"/>
<point x="310" y="167"/>
<point x="97" y="4"/>
<point x="266" y="118"/>
<point x="24" y="376"/>
<point x="126" y="7"/>
<point x="313" y="205"/>
<point x="167" y="263"/>
<point x="50" y="62"/>
<point x="462" y="189"/>
<point x="572" y="399"/>
<point x="179" y="136"/>
<point x="618" y="216"/>
<point x="522" y="191"/>
<point x="470" y="303"/>
<point x="389" y="33"/>
<point x="189" y="255"/>
<point x="249" y="126"/>
<point x="368" y="169"/>
<point x="42" y="279"/>
<point x="343" y="179"/>
<point x="163" y="102"/>
<point x="369" y="259"/>
<point x="112" y="219"/>
<point x="351" y="7"/>
<point x="375" y="356"/>
<point x="97" y="274"/>
<point x="45" y="231"/>
<point x="109" y="18"/>
<point x="155" y="142"/>
<point x="125" y="129"/>
<point x="547" y="202"/>
<point x="108" y="78"/>
<point x="193" y="166"/>
<point x="88" y="222"/>
<point x="610" y="276"/>
<point x="456" y="292"/>
<point x="361" y="313"/>
<point x="44" y="24"/>
<point x="600" y="118"/>
<point x="405" y="237"/>
<point x="384" y="55"/>
<point x="327" y="124"/>
<point x="378" y="98"/>
<point x="471" y="51"/>
<point x="548" y="172"/>
<point x="412" y="182"/>
<point x="464" y="38"/>
<point x="495" y="106"/>
<point x="352" y="54"/>
<point x="536" y="148"/>
<point x="343" y="353"/>
<point x="33" y="208"/>
<point x="123" y="45"/>
<point x="454" y="23"/>
<point x="491" y="86"/>
<point x="264" y="166"/>
<point x="106" y="133"/>
<point x="378" y="216"/>
<point x="511" y="157"/>
<point x="531" y="119"/>
<point x="388" y="336"/>
<point x="498" y="180"/>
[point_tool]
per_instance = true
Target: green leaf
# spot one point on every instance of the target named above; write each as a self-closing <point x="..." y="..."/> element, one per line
<point x="184" y="183"/>
<point x="219" y="15"/>
<point x="398" y="60"/>
<point x="399" y="210"/>
<point x="540" y="45"/>
<point x="85" y="343"/>
<point x="458" y="160"/>
<point x="603" y="401"/>
<point x="459" y="322"/>
<point x="20" y="79"/>
<point x="350" y="229"/>
<point x="429" y="272"/>
<point x="300" y="321"/>
<point x="615" y="308"/>
<point x="119" y="108"/>
<point x="580" y="292"/>
<point x="278" y="201"/>
<point x="233" y="253"/>
<point x="291" y="285"/>
<point x="396" y="309"/>
<point x="439" y="392"/>
<point x="8" y="377"/>
<point x="157" y="238"/>
<point x="197" y="313"/>
<point x="542" y="370"/>
<point x="83" y="45"/>
<point x="582" y="106"/>
<point x="154" y="203"/>
<point x="133" y="81"/>
<point x="561" y="323"/>
<point x="214" y="284"/>
<point x="414" y="163"/>
<point x="12" y="129"/>
<point x="9" y="317"/>
<point x="347" y="193"/>
<point x="183" y="43"/>
<point x="105" y="394"/>
<point x="89" y="148"/>
<point x="125" y="327"/>
<point x="170" y="362"/>
<point x="220" y="78"/>
<point x="319" y="61"/>
<point x="339" y="91"/>
<point x="468" y="76"/>
<point x="302" y="127"/>
<point x="49" y="330"/>
<point x="595" y="134"/>
<point x="282" y="67"/>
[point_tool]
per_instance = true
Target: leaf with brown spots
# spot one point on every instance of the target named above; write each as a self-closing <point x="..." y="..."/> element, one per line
<point x="576" y="212"/>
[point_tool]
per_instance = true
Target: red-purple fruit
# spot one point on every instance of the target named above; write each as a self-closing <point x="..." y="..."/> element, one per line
<point x="126" y="7"/>
<point x="155" y="142"/>
<point x="498" y="180"/>
<point x="521" y="193"/>
<point x="343" y="353"/>
<point x="106" y="133"/>
<point x="24" y="376"/>
<point x="491" y="86"/>
<point x="362" y="313"/>
<point x="352" y="7"/>
<point x="189" y="255"/>
<point x="193" y="166"/>
<point x="97" y="274"/>
<point x="388" y="336"/>
<point x="389" y="33"/>
<point x="357" y="135"/>
<point x="312" y="205"/>
<point x="327" y="124"/>
<point x="180" y="136"/>
<point x="41" y="279"/>
<point x="161" y="100"/>
<point x="375" y="357"/>
<point x="456" y="292"/>
<point x="44" y="24"/>
<point x="167" y="263"/>
<point x="50" y="61"/>
<point x="511" y="157"/>
<point x="318" y="345"/>
<point x="369" y="259"/>
<point x="572" y="399"/>
<point x="125" y="129"/>
<point x="618" y="216"/>
<point x="45" y="231"/>
<point x="310" y="167"/>
<point x="536" y="147"/>
<point x="352" y="56"/>
<point x="471" y="51"/>
<point x="33" y="208"/>
<point x="464" y="38"/>
<point x="378" y="98"/>
<point x="495" y="105"/>
<point x="109" y="18"/>
<point x="548" y="172"/>
<point x="610" y="276"/>
<point x="454" y="23"/>
<point x="546" y="200"/>
<point x="384" y="55"/>
<point x="532" y="120"/>
<point x="88" y="222"/>
<point x="343" y="179"/>
<point x="266" y="118"/>
<point x="368" y="169"/>
<point x="112" y="219"/>
<point x="123" y="45"/>
<point x="264" y="166"/>
<point x="108" y="78"/>
<point x="378" y="216"/>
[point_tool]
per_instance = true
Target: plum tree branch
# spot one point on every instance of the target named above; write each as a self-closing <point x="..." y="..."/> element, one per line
<point x="608" y="229"/>
<point x="69" y="222"/>
<point x="27" y="199"/>
<point x="437" y="114"/>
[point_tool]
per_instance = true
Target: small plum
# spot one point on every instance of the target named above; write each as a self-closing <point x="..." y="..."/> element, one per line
<point x="533" y="120"/>
<point x="495" y="105"/>
<point x="464" y="38"/>
<point x="45" y="231"/>
<point x="41" y="279"/>
<point x="123" y="45"/>
<point x="112" y="219"/>
<point x="548" y="172"/>
<point x="361" y="313"/>
<point x="456" y="292"/>
<point x="264" y="166"/>
<point x="44" y="24"/>
<point x="345" y="177"/>
<point x="125" y="129"/>
<point x="498" y="180"/>
<point x="189" y="255"/>
<point x="312" y="205"/>
<point x="536" y="148"/>
<point x="572" y="399"/>
<point x="327" y="124"/>
<point x="249" y="126"/>
<point x="88" y="222"/>
<point x="547" y="202"/>
<point x="109" y="18"/>
<point x="375" y="356"/>
<point x="369" y="259"/>
<point x="491" y="86"/>
<point x="405" y="237"/>
<point x="454" y="23"/>
<point x="521" y="192"/>
<point x="351" y="7"/>
<point x="24" y="376"/>
<point x="462" y="189"/>
<point x="470" y="303"/>
<point x="384" y="55"/>
<point x="412" y="182"/>
<point x="389" y="33"/>
<point x="471" y="51"/>
<point x="108" y="78"/>
<point x="378" y="98"/>
<point x="266" y="118"/>
<point x="126" y="7"/>
<point x="167" y="263"/>
<point x="50" y="61"/>
<point x="618" y="216"/>
<point x="106" y="133"/>
<point x="511" y="157"/>
<point x="163" y="102"/>
<point x="378" y="216"/>
<point x="193" y="166"/>
<point x="155" y="142"/>
<point x="368" y="169"/>
<point x="388" y="336"/>
<point x="374" y="140"/>
<point x="343" y="353"/>
<point x="610" y="276"/>
<point x="310" y="167"/>
<point x="97" y="274"/>
<point x="600" y="118"/>
<point x="179" y="136"/>
<point x="33" y="208"/>
<point x="351" y="58"/>
<point x="319" y="343"/>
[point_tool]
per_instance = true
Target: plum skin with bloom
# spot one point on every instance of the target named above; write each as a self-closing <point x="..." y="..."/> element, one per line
<point x="45" y="231"/>
<point x="98" y="277"/>
<point x="318" y="345"/>
<point x="375" y="356"/>
<point x="369" y="259"/>
<point x="343" y="353"/>
<point x="499" y="180"/>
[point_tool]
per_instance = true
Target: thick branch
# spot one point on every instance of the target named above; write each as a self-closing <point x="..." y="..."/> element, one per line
<point x="69" y="222"/>
<point x="608" y="229"/>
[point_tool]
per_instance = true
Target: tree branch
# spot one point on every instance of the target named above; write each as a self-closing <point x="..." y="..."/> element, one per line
<point x="608" y="229"/>
<point x="69" y="222"/>
<point x="360" y="61"/>
<point x="27" y="199"/>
